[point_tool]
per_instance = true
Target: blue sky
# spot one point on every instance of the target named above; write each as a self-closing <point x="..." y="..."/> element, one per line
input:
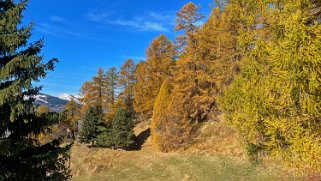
<point x="85" y="35"/>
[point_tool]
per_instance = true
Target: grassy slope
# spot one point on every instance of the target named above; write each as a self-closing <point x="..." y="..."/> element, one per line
<point x="194" y="163"/>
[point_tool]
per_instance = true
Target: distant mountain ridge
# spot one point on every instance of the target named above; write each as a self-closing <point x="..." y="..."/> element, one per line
<point x="55" y="104"/>
<point x="69" y="97"/>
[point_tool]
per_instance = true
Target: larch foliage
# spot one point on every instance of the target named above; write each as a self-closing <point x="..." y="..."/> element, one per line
<point x="170" y="129"/>
<point x="111" y="89"/>
<point x="93" y="91"/>
<point x="189" y="100"/>
<point x="72" y="113"/>
<point x="142" y="103"/>
<point x="187" y="18"/>
<point x="43" y="109"/>
<point x="193" y="78"/>
<point x="217" y="49"/>
<point x="150" y="74"/>
<point x="111" y="85"/>
<point x="127" y="81"/>
<point x="275" y="101"/>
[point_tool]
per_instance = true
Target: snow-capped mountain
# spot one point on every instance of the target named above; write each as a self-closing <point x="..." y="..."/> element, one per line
<point x="54" y="103"/>
<point x="69" y="97"/>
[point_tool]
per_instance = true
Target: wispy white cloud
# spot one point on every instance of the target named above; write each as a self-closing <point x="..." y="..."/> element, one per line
<point x="98" y="17"/>
<point x="154" y="26"/>
<point x="64" y="32"/>
<point x="57" y="19"/>
<point x="168" y="17"/>
<point x="135" y="58"/>
<point x="150" y="21"/>
<point x="140" y="25"/>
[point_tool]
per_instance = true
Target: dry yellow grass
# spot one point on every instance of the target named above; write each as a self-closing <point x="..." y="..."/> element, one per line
<point x="217" y="139"/>
<point x="99" y="164"/>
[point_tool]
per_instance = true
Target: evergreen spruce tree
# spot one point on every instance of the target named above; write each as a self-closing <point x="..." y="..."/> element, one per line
<point x="22" y="156"/>
<point x="122" y="130"/>
<point x="91" y="127"/>
<point x="105" y="138"/>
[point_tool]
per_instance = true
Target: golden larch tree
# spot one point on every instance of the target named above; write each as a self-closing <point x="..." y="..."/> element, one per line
<point x="92" y="91"/>
<point x="72" y="113"/>
<point x="170" y="130"/>
<point x="150" y="74"/>
<point x="275" y="102"/>
<point x="127" y="81"/>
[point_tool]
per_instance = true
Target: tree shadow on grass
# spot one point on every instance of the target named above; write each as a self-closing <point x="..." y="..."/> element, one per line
<point x="141" y="139"/>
